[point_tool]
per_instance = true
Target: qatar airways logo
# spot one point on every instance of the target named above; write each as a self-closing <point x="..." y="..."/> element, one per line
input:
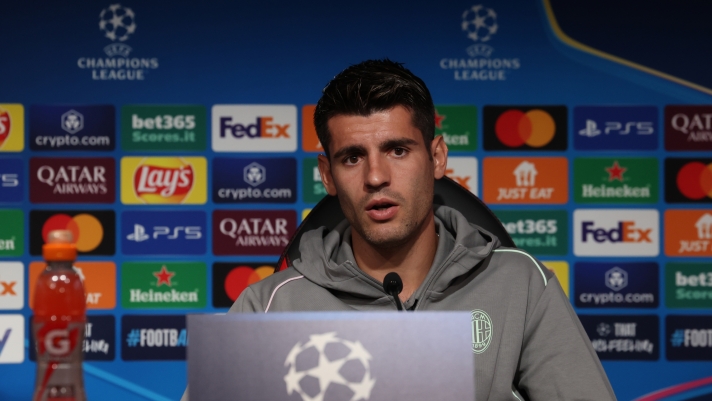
<point x="616" y="232"/>
<point x="72" y="180"/>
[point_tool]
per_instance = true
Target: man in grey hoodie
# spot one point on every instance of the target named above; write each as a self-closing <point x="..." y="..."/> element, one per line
<point x="375" y="121"/>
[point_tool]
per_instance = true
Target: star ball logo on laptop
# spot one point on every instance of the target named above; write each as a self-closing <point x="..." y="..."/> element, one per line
<point x="163" y="180"/>
<point x="72" y="180"/>
<point x="625" y="337"/>
<point x="254" y="128"/>
<point x="688" y="180"/>
<point x="12" y="232"/>
<point x="541" y="232"/>
<point x="616" y="285"/>
<point x="688" y="128"/>
<point x="151" y="285"/>
<point x="616" y="127"/>
<point x="616" y="180"/>
<point x="518" y="180"/>
<point x="163" y="233"/>
<point x="457" y="125"/>
<point x="99" y="279"/>
<point x="230" y="279"/>
<point x="616" y="232"/>
<point x="163" y="128"/>
<point x="689" y="337"/>
<point x="12" y="128"/>
<point x="525" y="128"/>
<point x="12" y="180"/>
<point x="254" y="180"/>
<point x="350" y="368"/>
<point x="94" y="231"/>
<point x="688" y="285"/>
<point x="252" y="232"/>
<point x="99" y="339"/>
<point x="688" y="233"/>
<point x="54" y="127"/>
<point x="153" y="337"/>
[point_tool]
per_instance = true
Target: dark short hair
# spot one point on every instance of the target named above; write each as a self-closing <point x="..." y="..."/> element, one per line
<point x="370" y="87"/>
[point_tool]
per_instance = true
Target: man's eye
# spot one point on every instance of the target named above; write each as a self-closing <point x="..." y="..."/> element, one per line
<point x="399" y="151"/>
<point x="352" y="160"/>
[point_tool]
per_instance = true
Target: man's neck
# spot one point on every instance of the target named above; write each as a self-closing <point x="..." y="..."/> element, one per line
<point x="411" y="260"/>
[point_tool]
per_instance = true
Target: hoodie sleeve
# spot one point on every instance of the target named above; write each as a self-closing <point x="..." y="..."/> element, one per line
<point x="557" y="360"/>
<point x="247" y="302"/>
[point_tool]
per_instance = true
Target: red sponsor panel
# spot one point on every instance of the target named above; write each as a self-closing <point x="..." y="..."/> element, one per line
<point x="72" y="180"/>
<point x="688" y="128"/>
<point x="252" y="232"/>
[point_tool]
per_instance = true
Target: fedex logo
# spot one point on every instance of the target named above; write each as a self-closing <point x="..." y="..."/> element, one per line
<point x="264" y="127"/>
<point x="12" y="338"/>
<point x="254" y="128"/>
<point x="624" y="232"/>
<point x="616" y="232"/>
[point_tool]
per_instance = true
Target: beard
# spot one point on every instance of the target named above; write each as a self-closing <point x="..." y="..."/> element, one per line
<point x="392" y="233"/>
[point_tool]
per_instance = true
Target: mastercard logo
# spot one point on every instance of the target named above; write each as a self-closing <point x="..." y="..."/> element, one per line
<point x="86" y="229"/>
<point x="694" y="180"/>
<point x="241" y="277"/>
<point x="515" y="128"/>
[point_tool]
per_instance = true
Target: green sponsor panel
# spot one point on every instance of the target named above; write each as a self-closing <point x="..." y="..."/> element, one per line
<point x="155" y="285"/>
<point x="157" y="128"/>
<point x="313" y="189"/>
<point x="12" y="233"/>
<point x="688" y="285"/>
<point x="457" y="125"/>
<point x="616" y="180"/>
<point x="540" y="232"/>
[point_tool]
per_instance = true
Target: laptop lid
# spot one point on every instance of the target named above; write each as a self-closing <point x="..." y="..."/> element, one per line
<point x="325" y="356"/>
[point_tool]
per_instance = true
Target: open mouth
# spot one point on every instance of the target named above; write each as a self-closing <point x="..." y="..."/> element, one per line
<point x="382" y="209"/>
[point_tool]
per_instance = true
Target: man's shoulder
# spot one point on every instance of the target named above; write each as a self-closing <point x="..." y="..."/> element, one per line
<point x="515" y="262"/>
<point x="265" y="287"/>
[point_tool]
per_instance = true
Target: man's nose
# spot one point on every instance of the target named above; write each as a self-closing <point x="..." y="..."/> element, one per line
<point x="377" y="173"/>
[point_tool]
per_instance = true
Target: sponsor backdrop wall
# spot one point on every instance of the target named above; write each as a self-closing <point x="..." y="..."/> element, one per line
<point x="175" y="141"/>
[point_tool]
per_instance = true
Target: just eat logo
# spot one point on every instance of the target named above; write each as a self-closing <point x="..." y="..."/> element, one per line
<point x="616" y="232"/>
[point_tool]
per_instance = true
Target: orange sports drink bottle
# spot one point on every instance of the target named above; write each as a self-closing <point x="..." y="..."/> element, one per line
<point x="59" y="323"/>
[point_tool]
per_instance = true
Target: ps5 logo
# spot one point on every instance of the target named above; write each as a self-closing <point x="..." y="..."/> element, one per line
<point x="616" y="127"/>
<point x="186" y="232"/>
<point x="9" y="180"/>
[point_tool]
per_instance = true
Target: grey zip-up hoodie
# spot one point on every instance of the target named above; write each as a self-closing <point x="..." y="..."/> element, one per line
<point x="527" y="340"/>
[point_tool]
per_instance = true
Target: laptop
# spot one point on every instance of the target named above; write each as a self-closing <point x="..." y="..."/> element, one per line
<point x="330" y="356"/>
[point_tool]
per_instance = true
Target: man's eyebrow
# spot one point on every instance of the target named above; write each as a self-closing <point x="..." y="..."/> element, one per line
<point x="349" y="150"/>
<point x="394" y="143"/>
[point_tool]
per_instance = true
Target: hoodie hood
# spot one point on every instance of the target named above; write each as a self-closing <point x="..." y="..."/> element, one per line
<point x="327" y="258"/>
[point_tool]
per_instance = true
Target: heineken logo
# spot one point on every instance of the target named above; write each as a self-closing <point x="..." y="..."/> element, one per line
<point x="163" y="285"/>
<point x="621" y="180"/>
<point x="457" y="125"/>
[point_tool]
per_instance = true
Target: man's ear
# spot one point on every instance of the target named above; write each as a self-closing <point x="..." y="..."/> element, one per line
<point x="326" y="177"/>
<point x="438" y="151"/>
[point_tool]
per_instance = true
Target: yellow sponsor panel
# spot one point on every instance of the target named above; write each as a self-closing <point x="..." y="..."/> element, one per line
<point x="164" y="180"/>
<point x="12" y="128"/>
<point x="305" y="213"/>
<point x="561" y="270"/>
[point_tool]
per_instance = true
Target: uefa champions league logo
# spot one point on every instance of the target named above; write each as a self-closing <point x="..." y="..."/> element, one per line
<point x="117" y="22"/>
<point x="327" y="366"/>
<point x="480" y="23"/>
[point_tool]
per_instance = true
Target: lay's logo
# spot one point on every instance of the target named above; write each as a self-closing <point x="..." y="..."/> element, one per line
<point x="254" y="128"/>
<point x="163" y="180"/>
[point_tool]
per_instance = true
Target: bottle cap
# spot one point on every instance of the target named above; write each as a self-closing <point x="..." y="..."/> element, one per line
<point x="60" y="247"/>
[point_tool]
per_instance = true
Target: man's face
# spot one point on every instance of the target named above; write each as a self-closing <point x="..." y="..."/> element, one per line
<point x="383" y="174"/>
